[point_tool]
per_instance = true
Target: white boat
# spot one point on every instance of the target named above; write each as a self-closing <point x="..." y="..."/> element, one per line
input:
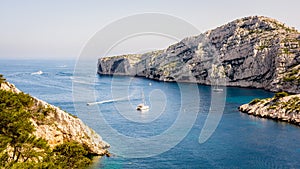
<point x="142" y="106"/>
<point x="37" y="73"/>
<point x="216" y="88"/>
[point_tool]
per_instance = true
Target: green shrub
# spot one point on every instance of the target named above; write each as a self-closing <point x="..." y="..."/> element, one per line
<point x="2" y="79"/>
<point x="280" y="95"/>
<point x="292" y="76"/>
<point x="16" y="131"/>
<point x="289" y="78"/>
<point x="272" y="107"/>
<point x="262" y="47"/>
<point x="286" y="51"/>
<point x="71" y="155"/>
<point x="254" y="101"/>
<point x="28" y="151"/>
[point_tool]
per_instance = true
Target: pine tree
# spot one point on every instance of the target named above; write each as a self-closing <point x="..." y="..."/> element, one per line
<point x="71" y="155"/>
<point x="17" y="143"/>
<point x="19" y="148"/>
<point x="2" y="79"/>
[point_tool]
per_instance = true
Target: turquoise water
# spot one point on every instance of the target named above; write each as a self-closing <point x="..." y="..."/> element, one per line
<point x="240" y="140"/>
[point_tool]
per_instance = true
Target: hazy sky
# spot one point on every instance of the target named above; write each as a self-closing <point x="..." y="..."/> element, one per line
<point x="60" y="28"/>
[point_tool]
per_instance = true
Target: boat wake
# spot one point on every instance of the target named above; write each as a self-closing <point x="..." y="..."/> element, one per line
<point x="62" y="66"/>
<point x="114" y="100"/>
<point x="107" y="101"/>
<point x="110" y="101"/>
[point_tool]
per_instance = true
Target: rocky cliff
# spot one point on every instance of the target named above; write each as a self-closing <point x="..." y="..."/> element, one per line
<point x="253" y="51"/>
<point x="57" y="126"/>
<point x="282" y="109"/>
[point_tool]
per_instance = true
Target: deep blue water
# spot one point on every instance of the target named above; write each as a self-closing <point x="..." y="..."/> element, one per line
<point x="240" y="140"/>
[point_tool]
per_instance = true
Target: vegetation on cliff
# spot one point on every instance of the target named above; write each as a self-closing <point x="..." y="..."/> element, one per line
<point x="27" y="126"/>
<point x="19" y="148"/>
<point x="282" y="107"/>
<point x="293" y="76"/>
<point x="2" y="79"/>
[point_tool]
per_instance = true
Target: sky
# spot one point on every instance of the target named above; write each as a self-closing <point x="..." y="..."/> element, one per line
<point x="59" y="29"/>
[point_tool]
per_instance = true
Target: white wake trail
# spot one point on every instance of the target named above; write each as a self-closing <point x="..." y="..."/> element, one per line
<point x="112" y="100"/>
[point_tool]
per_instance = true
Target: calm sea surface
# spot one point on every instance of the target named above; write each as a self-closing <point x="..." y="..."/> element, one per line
<point x="239" y="141"/>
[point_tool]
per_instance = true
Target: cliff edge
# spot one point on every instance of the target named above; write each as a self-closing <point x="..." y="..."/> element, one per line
<point x="254" y="51"/>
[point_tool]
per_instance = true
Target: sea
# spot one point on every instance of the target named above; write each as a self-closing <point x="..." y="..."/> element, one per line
<point x="168" y="134"/>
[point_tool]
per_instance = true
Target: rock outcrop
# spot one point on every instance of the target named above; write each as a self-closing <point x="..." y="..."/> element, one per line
<point x="283" y="109"/>
<point x="253" y="51"/>
<point x="57" y="126"/>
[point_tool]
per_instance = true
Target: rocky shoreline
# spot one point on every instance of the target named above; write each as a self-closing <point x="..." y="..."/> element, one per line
<point x="59" y="126"/>
<point x="285" y="109"/>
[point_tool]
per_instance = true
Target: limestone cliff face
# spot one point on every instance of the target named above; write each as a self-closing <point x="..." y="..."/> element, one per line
<point x="249" y="52"/>
<point x="282" y="109"/>
<point x="58" y="126"/>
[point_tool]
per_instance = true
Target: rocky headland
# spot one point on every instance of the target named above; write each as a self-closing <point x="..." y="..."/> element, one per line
<point x="285" y="108"/>
<point x="57" y="126"/>
<point x="255" y="51"/>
